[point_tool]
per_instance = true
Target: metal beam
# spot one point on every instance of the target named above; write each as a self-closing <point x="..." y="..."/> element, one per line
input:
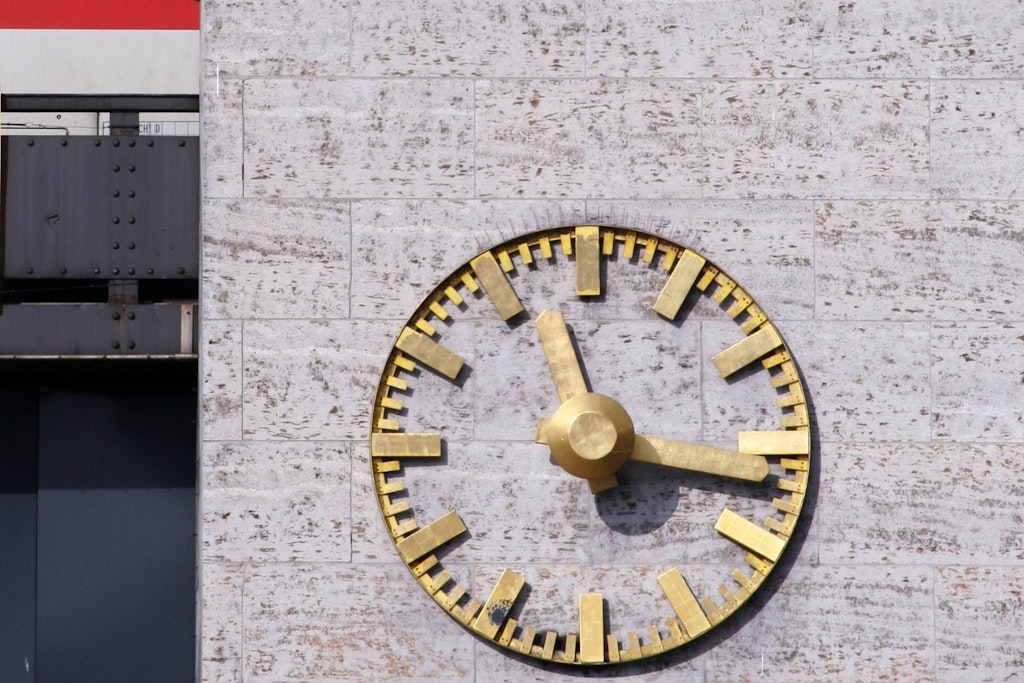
<point x="99" y="103"/>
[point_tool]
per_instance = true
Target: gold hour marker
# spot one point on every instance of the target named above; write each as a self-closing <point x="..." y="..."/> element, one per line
<point x="608" y="243"/>
<point x="650" y="249"/>
<point x="438" y="310"/>
<point x="405" y="445"/>
<point x="430" y="353"/>
<point x="506" y="633"/>
<point x="505" y="261"/>
<point x="524" y="254"/>
<point x="470" y="283"/>
<point x="453" y="295"/>
<point x="679" y="284"/>
<point x="592" y="634"/>
<point x="390" y="403"/>
<point x="431" y="537"/>
<point x="683" y="602"/>
<point x="498" y="604"/>
<point x="775" y="442"/>
<point x="545" y="247"/>
<point x="404" y="363"/>
<point x="570" y="648"/>
<point x="496" y="285"/>
<point x="550" y="638"/>
<point x="426" y="328"/>
<point x="566" y="240"/>
<point x="630" y="247"/>
<point x="749" y="535"/>
<point x="747" y="350"/>
<point x="588" y="260"/>
<point x="526" y="642"/>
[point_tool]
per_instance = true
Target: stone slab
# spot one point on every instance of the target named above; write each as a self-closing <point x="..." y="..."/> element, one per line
<point x="746" y="39"/>
<point x="867" y="382"/>
<point x="492" y="38"/>
<point x="873" y="39"/>
<point x="348" y="623"/>
<point x="273" y="38"/>
<point x="979" y="611"/>
<point x="766" y="246"/>
<point x="588" y="138"/>
<point x="976" y="380"/>
<point x="220" y="608"/>
<point x="309" y="379"/>
<point x="976" y="145"/>
<point x="366" y="138"/>
<point x="835" y="139"/>
<point x="517" y="505"/>
<point x="927" y="261"/>
<point x="921" y="504"/>
<point x="222" y="132"/>
<point x="402" y="249"/>
<point x="866" y="622"/>
<point x="221" y="404"/>
<point x="978" y="40"/>
<point x="266" y="258"/>
<point x="276" y="502"/>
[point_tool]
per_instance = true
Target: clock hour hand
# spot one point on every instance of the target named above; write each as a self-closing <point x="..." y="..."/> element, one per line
<point x="698" y="458"/>
<point x="561" y="355"/>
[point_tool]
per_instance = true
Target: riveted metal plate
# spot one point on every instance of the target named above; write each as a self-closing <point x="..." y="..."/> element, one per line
<point x="48" y="330"/>
<point x="101" y="207"/>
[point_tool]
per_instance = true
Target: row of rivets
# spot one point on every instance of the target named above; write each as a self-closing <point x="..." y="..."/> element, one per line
<point x="97" y="143"/>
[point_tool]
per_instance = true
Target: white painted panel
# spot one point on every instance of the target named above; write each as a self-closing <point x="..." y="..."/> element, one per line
<point x="71" y="62"/>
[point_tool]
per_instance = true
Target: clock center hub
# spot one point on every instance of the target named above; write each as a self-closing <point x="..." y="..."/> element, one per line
<point x="591" y="436"/>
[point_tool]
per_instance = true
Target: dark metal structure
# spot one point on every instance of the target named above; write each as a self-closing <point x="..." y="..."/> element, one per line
<point x="100" y="240"/>
<point x="99" y="250"/>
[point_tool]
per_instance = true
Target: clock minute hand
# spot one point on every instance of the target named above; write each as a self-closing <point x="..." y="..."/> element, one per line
<point x="561" y="355"/>
<point x="698" y="458"/>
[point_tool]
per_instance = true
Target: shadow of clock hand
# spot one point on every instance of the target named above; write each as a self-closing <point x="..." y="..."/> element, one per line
<point x="649" y="495"/>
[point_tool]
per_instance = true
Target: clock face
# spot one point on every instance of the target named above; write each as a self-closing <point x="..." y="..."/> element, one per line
<point x="590" y="445"/>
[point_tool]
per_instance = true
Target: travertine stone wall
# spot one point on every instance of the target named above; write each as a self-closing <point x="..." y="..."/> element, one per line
<point x="858" y="165"/>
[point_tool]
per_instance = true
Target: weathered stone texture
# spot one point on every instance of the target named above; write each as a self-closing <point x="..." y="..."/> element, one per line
<point x="873" y="39"/>
<point x="816" y="139"/>
<point x="979" y="612"/>
<point x="363" y="138"/>
<point x="468" y="38"/>
<point x="311" y="379"/>
<point x="588" y="138"/>
<point x="855" y="166"/>
<point x="276" y="502"/>
<point x="220" y="609"/>
<point x="866" y="622"/>
<point x="347" y="623"/>
<point x="276" y="259"/>
<point x="220" y="349"/>
<point x="922" y="504"/>
<point x="978" y="40"/>
<point x="977" y="380"/>
<point x="746" y="39"/>
<point x="222" y="137"/>
<point x="276" y="38"/>
<point x="976" y="139"/>
<point x="926" y="261"/>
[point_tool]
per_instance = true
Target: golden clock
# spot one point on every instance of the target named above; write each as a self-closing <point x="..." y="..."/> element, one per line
<point x="510" y="440"/>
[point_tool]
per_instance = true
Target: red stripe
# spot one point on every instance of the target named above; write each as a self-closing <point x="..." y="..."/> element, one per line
<point x="100" y="14"/>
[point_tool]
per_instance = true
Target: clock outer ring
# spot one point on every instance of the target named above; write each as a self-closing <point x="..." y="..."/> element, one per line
<point x="794" y="416"/>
